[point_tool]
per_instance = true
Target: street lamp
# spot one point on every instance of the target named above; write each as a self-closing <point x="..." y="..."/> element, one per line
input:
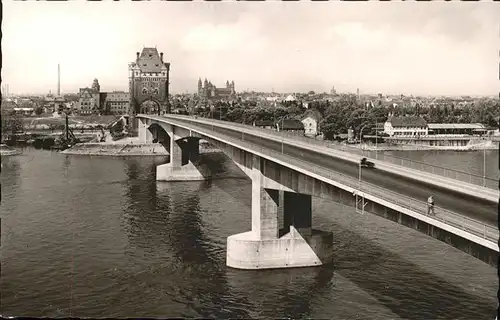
<point x="484" y="166"/>
<point x="360" y="137"/>
<point x="359" y="192"/>
<point x="282" y="136"/>
<point x="376" y="139"/>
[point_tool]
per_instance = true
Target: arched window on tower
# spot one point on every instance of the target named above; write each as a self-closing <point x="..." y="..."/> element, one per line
<point x="144" y="91"/>
<point x="156" y="91"/>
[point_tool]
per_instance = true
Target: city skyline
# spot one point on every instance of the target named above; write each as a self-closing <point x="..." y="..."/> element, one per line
<point x="408" y="48"/>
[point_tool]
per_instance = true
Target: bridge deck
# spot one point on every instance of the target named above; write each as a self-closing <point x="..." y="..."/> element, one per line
<point x="416" y="167"/>
<point x="466" y="199"/>
<point x="478" y="228"/>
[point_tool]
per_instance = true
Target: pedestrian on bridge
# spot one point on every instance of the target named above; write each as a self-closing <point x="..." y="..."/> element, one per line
<point x="430" y="205"/>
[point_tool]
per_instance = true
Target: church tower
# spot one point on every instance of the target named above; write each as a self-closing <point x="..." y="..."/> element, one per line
<point x="95" y="86"/>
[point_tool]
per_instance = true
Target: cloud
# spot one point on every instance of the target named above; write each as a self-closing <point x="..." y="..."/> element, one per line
<point x="356" y="34"/>
<point x="289" y="46"/>
<point x="208" y="37"/>
<point x="243" y="35"/>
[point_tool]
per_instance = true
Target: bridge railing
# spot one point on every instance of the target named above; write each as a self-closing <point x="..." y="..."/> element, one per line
<point x="475" y="227"/>
<point x="471" y="178"/>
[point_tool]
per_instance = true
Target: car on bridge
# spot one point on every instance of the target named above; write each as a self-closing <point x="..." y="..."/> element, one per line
<point x="365" y="163"/>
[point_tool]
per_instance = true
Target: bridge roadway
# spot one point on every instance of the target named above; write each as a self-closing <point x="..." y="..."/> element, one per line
<point x="459" y="203"/>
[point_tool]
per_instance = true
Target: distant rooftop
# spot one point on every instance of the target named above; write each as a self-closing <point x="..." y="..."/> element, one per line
<point x="411" y="121"/>
<point x="456" y="126"/>
<point x="291" y="124"/>
<point x="149" y="60"/>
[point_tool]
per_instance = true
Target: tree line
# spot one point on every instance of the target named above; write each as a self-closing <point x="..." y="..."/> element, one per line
<point x="346" y="112"/>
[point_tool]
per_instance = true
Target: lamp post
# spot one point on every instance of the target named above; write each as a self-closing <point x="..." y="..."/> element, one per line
<point x="376" y="139"/>
<point x="484" y="166"/>
<point x="282" y="136"/>
<point x="360" y="137"/>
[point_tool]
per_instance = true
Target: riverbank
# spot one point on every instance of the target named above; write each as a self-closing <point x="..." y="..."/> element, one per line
<point x="8" y="151"/>
<point x="410" y="147"/>
<point x="124" y="148"/>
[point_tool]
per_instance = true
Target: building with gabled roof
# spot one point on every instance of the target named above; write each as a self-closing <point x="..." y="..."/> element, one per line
<point x="149" y="83"/>
<point x="310" y="120"/>
<point x="410" y="126"/>
<point x="88" y="101"/>
<point x="290" y="125"/>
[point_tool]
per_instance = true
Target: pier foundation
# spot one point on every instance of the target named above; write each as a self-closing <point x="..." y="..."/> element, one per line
<point x="184" y="155"/>
<point x="282" y="235"/>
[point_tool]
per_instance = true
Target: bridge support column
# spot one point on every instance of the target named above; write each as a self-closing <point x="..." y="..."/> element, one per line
<point x="183" y="157"/>
<point x="145" y="136"/>
<point x="282" y="234"/>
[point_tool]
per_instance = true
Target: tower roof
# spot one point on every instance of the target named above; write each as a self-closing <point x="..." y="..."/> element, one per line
<point x="149" y="60"/>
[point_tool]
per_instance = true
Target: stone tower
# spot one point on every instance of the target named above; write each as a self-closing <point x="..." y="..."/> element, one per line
<point x="200" y="87"/>
<point x="149" y="81"/>
<point x="96" y="88"/>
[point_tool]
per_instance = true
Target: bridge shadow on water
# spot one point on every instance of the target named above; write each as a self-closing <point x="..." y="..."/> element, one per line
<point x="400" y="285"/>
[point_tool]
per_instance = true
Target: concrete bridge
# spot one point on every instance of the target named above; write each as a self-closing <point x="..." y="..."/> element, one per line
<point x="286" y="174"/>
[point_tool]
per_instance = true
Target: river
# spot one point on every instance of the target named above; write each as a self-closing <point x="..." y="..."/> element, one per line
<point x="466" y="161"/>
<point x="99" y="237"/>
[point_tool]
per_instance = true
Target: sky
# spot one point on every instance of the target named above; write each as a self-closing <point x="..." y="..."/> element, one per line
<point x="433" y="48"/>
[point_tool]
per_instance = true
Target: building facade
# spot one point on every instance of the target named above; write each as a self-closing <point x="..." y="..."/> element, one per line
<point x="89" y="99"/>
<point x="311" y="123"/>
<point x="116" y="102"/>
<point x="405" y="126"/>
<point x="207" y="90"/>
<point x="149" y="83"/>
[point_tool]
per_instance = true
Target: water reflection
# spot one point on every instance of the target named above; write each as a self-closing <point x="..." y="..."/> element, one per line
<point x="10" y="174"/>
<point x="172" y="233"/>
<point x="66" y="164"/>
<point x="283" y="292"/>
<point x="406" y="289"/>
<point x="10" y="165"/>
<point x="203" y="260"/>
<point x="184" y="220"/>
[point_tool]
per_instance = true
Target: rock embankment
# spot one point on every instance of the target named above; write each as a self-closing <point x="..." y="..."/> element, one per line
<point x="129" y="148"/>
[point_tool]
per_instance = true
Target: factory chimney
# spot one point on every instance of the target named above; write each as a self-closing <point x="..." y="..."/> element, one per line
<point x="58" y="80"/>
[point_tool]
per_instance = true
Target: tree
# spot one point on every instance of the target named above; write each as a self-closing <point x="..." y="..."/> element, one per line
<point x="357" y="119"/>
<point x="11" y="123"/>
<point x="38" y="111"/>
<point x="235" y="115"/>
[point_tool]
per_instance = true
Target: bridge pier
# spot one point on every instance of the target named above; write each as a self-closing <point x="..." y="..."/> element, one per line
<point x="145" y="135"/>
<point x="282" y="235"/>
<point x="184" y="154"/>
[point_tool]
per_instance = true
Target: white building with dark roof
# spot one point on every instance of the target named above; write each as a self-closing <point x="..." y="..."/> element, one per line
<point x="405" y="126"/>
